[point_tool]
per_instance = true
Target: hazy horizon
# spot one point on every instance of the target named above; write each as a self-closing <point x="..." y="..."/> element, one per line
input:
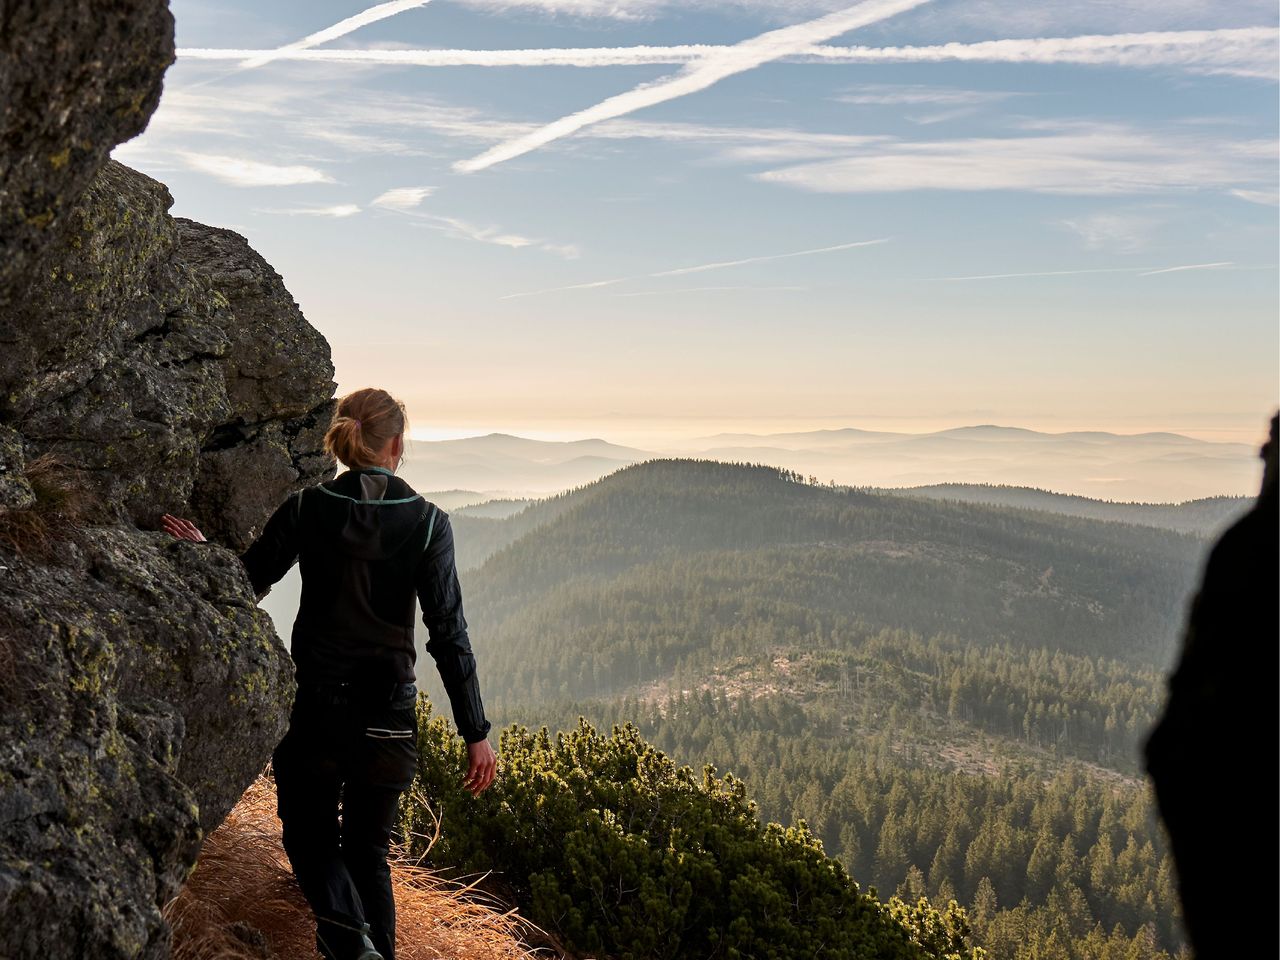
<point x="669" y="431"/>
<point x="1146" y="467"/>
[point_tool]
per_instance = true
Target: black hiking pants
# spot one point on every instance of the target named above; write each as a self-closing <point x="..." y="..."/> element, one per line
<point x="351" y="752"/>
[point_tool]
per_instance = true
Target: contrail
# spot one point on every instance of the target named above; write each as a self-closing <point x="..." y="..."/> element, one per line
<point x="1140" y="271"/>
<point x="549" y="57"/>
<point x="697" y="76"/>
<point x="1189" y="266"/>
<point x="1043" y="273"/>
<point x="777" y="256"/>
<point x="339" y="29"/>
<point x="1249" y="51"/>
<point x="699" y="268"/>
<point x="573" y="286"/>
<point x="667" y="293"/>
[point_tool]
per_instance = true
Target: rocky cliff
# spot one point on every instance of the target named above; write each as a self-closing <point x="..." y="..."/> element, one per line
<point x="148" y="364"/>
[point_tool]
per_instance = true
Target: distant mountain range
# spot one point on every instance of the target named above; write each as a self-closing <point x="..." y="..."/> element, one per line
<point x="501" y="464"/>
<point x="1145" y="467"/>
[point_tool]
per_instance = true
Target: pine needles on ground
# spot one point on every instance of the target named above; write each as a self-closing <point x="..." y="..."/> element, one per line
<point x="242" y="902"/>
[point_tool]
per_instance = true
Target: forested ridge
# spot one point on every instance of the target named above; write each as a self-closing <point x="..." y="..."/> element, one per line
<point x="692" y="562"/>
<point x="951" y="696"/>
<point x="1205" y="517"/>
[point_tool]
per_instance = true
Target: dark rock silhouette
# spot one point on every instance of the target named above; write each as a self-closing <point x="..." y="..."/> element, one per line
<point x="1213" y="755"/>
<point x="164" y="367"/>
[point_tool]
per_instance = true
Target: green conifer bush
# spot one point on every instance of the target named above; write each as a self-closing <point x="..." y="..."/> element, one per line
<point x="604" y="841"/>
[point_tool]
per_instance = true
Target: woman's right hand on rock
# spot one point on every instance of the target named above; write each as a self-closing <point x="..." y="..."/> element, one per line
<point x="182" y="529"/>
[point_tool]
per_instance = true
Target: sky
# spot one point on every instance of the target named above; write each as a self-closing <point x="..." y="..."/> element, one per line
<point x="631" y="220"/>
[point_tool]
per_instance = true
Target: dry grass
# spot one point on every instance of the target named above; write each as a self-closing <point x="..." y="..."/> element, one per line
<point x="242" y="903"/>
<point x="64" y="504"/>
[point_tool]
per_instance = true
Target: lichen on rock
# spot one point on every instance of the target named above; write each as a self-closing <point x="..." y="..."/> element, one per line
<point x="164" y="365"/>
<point x="76" y="78"/>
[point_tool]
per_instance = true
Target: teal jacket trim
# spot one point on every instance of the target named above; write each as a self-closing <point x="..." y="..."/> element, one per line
<point x="343" y="496"/>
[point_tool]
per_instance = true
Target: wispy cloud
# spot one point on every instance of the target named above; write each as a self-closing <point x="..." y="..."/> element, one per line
<point x="1073" y="158"/>
<point x="697" y="76"/>
<point x="878" y="94"/>
<point x="360" y="142"/>
<point x="1242" y="51"/>
<point x="607" y="9"/>
<point x="1267" y="198"/>
<point x="339" y="29"/>
<point x="463" y="229"/>
<point x="339" y="210"/>
<point x="743" y="144"/>
<point x="698" y="268"/>
<point x="252" y="173"/>
<point x="1121" y="232"/>
<point x="943" y="103"/>
<point x="1190" y="266"/>
<point x="402" y="198"/>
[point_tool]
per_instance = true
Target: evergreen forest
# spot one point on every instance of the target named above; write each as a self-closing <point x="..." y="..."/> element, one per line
<point x="947" y="698"/>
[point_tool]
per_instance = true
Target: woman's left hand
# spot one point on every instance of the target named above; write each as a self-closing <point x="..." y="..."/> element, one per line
<point x="482" y="766"/>
<point x="182" y="529"/>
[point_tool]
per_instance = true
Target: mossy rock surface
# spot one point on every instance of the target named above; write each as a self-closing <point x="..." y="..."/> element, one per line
<point x="166" y="367"/>
<point x="76" y="78"/>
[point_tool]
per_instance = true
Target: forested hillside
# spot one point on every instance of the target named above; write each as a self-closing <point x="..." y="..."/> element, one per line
<point x="672" y="565"/>
<point x="951" y="695"/>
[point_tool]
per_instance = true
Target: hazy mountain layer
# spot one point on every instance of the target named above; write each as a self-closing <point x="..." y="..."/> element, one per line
<point x="1147" y="467"/>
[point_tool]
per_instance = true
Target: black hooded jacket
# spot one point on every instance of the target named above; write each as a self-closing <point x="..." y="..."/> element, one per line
<point x="367" y="545"/>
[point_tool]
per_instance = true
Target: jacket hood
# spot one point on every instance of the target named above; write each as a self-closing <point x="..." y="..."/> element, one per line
<point x="370" y="513"/>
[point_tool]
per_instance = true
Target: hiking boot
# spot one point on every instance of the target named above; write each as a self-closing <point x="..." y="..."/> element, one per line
<point x="338" y="940"/>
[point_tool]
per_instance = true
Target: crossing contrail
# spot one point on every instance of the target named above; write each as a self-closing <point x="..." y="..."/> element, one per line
<point x="339" y="29"/>
<point x="696" y="76"/>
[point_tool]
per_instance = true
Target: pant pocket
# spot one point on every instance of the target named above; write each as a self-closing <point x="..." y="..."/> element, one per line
<point x="390" y="747"/>
<point x="385" y="733"/>
<point x="394" y="722"/>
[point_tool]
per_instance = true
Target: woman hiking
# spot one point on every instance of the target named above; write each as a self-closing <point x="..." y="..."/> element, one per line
<point x="367" y="544"/>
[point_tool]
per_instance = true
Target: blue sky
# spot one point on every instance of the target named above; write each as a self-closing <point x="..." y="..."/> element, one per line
<point x="787" y="224"/>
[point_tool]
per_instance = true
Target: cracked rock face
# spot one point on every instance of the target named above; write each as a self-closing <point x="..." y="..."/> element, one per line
<point x="181" y="374"/>
<point x="164" y="367"/>
<point x="145" y="686"/>
<point x="76" y="78"/>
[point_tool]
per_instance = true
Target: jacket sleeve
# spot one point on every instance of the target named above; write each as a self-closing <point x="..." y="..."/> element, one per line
<point x="276" y="549"/>
<point x="449" y="645"/>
